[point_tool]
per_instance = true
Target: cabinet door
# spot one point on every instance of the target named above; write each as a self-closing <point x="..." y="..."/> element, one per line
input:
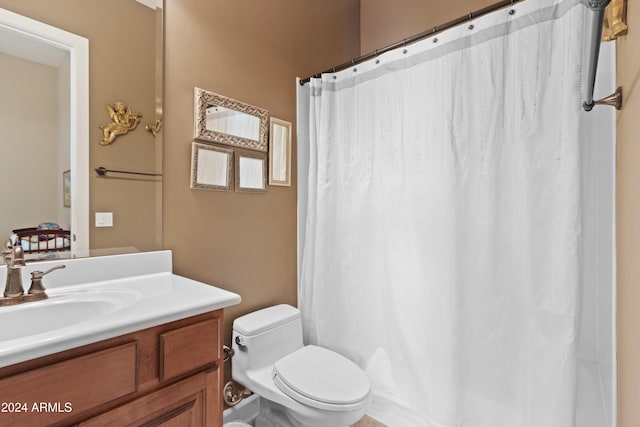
<point x="67" y="388"/>
<point x="191" y="402"/>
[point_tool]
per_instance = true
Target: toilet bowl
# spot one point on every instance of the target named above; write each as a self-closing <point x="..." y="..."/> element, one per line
<point x="303" y="385"/>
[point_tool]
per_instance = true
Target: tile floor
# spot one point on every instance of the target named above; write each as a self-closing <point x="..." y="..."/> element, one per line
<point x="368" y="422"/>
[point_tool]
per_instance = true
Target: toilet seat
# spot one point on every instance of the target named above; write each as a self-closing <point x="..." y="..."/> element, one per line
<point x="322" y="379"/>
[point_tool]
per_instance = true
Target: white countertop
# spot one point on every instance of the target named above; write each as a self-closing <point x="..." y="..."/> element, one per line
<point x="84" y="313"/>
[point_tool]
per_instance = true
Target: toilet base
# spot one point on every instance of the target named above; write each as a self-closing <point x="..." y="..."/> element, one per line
<point x="274" y="415"/>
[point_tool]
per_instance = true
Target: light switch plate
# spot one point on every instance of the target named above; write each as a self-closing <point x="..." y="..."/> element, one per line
<point x="104" y="219"/>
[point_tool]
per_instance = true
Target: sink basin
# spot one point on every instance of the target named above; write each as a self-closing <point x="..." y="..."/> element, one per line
<point x="61" y="310"/>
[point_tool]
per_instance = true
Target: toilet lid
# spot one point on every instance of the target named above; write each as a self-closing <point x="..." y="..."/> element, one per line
<point x="322" y="375"/>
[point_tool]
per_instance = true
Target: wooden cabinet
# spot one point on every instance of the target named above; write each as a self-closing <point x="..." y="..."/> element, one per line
<point x="188" y="348"/>
<point x="181" y="404"/>
<point x="168" y="375"/>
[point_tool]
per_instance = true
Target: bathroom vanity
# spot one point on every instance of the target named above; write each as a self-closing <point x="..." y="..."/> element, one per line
<point x="138" y="346"/>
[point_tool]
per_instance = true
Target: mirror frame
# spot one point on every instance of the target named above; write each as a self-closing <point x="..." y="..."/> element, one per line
<point x="78" y="48"/>
<point x="205" y="98"/>
<point x="263" y="173"/>
<point x="273" y="153"/>
<point x="196" y="172"/>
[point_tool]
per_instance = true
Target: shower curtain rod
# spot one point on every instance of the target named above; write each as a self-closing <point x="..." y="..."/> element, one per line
<point x="597" y="6"/>
<point x="423" y="35"/>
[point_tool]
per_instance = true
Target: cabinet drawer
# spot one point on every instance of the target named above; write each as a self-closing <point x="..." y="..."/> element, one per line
<point x="188" y="348"/>
<point x="71" y="387"/>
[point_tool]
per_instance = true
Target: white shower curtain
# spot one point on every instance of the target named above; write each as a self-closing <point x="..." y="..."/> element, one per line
<point x="442" y="242"/>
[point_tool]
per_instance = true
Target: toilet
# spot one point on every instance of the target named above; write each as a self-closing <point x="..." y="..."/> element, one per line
<point x="299" y="385"/>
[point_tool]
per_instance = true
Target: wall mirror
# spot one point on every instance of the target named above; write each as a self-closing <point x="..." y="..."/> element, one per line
<point x="251" y="173"/>
<point x="280" y="152"/>
<point x="39" y="61"/>
<point x="211" y="167"/>
<point x="72" y="78"/>
<point x="228" y="121"/>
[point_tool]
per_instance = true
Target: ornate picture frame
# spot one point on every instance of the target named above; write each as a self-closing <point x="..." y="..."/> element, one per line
<point x="251" y="173"/>
<point x="211" y="167"/>
<point x="279" y="152"/>
<point x="256" y="138"/>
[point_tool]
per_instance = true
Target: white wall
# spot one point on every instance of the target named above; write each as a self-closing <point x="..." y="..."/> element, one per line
<point x="29" y="143"/>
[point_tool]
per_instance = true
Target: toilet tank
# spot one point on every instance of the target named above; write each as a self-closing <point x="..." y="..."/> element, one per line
<point x="262" y="337"/>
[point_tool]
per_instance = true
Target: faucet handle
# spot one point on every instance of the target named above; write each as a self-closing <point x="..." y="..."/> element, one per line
<point x="13" y="253"/>
<point x="7" y="247"/>
<point x="36" y="279"/>
<point x="40" y="274"/>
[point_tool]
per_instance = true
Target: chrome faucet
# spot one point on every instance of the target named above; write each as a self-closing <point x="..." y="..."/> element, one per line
<point x="13" y="290"/>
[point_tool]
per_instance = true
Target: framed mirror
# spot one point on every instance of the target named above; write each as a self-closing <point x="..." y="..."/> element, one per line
<point x="211" y="167"/>
<point x="64" y="128"/>
<point x="43" y="62"/>
<point x="279" y="152"/>
<point x="228" y="121"/>
<point x="251" y="173"/>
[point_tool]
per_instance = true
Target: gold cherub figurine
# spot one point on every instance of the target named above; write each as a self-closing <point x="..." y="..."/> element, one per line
<point x="123" y="121"/>
<point x="613" y="23"/>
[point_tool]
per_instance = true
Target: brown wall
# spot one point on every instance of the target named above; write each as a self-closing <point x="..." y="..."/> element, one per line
<point x="628" y="220"/>
<point x="121" y="37"/>
<point x="252" y="52"/>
